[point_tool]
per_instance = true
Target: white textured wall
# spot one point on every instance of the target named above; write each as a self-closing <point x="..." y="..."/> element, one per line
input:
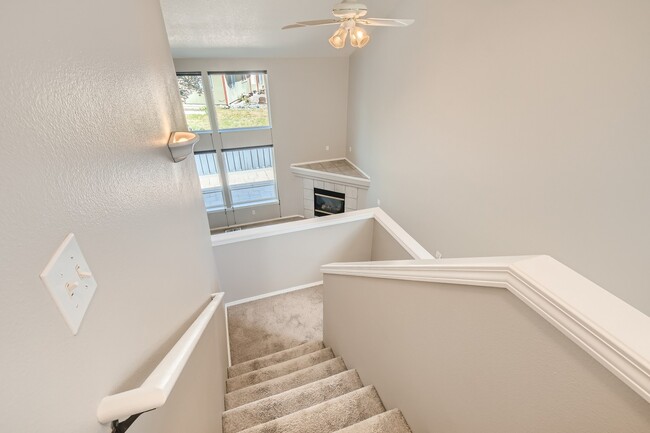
<point x="467" y="359"/>
<point x="308" y="112"/>
<point x="503" y="128"/>
<point x="88" y="100"/>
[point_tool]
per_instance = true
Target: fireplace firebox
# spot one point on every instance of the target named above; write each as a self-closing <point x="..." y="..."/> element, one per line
<point x="328" y="202"/>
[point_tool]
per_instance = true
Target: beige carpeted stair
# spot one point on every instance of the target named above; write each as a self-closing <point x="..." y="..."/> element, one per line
<point x="277" y="370"/>
<point x="304" y="389"/>
<point x="275" y="358"/>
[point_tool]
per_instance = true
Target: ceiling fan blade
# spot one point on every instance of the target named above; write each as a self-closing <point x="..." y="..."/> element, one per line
<point x="386" y="22"/>
<point x="312" y="23"/>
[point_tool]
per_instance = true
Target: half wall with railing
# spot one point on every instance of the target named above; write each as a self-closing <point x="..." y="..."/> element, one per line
<point x="506" y="344"/>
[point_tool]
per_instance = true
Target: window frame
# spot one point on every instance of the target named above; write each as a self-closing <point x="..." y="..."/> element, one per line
<point x="218" y="145"/>
<point x="213" y="106"/>
<point x="274" y="182"/>
<point x="205" y="97"/>
<point x="221" y="189"/>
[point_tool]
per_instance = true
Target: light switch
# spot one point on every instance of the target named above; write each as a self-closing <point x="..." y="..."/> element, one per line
<point x="71" y="283"/>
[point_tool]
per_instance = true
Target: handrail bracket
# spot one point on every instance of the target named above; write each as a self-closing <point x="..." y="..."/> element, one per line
<point x="122" y="427"/>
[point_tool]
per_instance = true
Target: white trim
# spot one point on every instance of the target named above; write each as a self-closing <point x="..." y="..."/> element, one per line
<point x="277" y="292"/>
<point x="272" y="202"/>
<point x="407" y="242"/>
<point x="270" y="220"/>
<point x="155" y="390"/>
<point x="611" y="331"/>
<point x="227" y="336"/>
<point x="320" y="160"/>
<point x="331" y="177"/>
<point x="290" y="227"/>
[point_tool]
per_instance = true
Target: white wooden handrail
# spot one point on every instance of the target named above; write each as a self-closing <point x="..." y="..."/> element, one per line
<point x="612" y="331"/>
<point x="154" y="391"/>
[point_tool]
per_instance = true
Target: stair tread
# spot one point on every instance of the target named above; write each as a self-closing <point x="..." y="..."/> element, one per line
<point x="285" y="403"/>
<point x="274" y="358"/>
<point x="277" y="370"/>
<point x="329" y="416"/>
<point x="284" y="383"/>
<point x="388" y="422"/>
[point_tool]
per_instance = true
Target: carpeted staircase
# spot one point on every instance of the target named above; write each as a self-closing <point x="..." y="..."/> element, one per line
<point x="305" y="389"/>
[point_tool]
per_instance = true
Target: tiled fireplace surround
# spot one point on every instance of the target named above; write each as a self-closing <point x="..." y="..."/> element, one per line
<point x="338" y="175"/>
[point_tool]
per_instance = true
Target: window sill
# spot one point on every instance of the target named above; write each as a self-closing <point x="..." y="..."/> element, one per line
<point x="244" y="206"/>
<point x="256" y="203"/>
<point x="252" y="128"/>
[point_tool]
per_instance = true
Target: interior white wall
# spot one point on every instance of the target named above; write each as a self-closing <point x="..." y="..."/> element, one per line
<point x="468" y="359"/>
<point x="492" y="128"/>
<point x="255" y="267"/>
<point x="385" y="246"/>
<point x="89" y="98"/>
<point x="308" y="100"/>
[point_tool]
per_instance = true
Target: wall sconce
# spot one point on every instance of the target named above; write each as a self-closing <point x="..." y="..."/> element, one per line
<point x="181" y="144"/>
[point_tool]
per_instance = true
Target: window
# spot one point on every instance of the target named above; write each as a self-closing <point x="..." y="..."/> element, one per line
<point x="208" y="168"/>
<point x="236" y="168"/>
<point x="190" y="86"/>
<point x="250" y="175"/>
<point x="240" y="100"/>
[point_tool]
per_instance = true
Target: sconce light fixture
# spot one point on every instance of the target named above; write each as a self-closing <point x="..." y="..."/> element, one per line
<point x="181" y="144"/>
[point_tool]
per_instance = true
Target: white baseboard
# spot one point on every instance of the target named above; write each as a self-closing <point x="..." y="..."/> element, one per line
<point x="268" y="295"/>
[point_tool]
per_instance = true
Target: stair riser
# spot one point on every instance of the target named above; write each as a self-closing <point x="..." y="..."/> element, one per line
<point x="329" y="416"/>
<point x="276" y="358"/>
<point x="388" y="422"/>
<point x="277" y="370"/>
<point x="290" y="402"/>
<point x="284" y="383"/>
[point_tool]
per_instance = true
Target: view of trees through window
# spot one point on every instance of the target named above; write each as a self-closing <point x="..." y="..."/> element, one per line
<point x="190" y="87"/>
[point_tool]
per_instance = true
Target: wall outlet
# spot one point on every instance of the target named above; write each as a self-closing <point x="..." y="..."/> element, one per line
<point x="438" y="255"/>
<point x="378" y="202"/>
<point x="253" y="212"/>
<point x="327" y="148"/>
<point x="70" y="282"/>
<point x="350" y="149"/>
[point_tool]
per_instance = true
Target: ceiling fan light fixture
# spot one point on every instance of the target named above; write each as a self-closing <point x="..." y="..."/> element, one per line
<point x="338" y="38"/>
<point x="359" y="38"/>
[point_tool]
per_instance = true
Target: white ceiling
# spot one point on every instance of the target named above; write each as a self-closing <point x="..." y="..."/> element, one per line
<point x="252" y="28"/>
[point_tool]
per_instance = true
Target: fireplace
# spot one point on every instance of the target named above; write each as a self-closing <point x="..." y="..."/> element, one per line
<point x="328" y="202"/>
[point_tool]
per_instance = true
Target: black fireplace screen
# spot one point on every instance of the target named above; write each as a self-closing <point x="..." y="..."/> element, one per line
<point x="328" y="202"/>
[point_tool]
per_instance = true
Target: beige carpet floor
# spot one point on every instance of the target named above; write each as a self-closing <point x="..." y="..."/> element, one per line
<point x="269" y="325"/>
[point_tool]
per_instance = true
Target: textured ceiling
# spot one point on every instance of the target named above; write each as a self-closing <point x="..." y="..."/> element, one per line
<point x="252" y="28"/>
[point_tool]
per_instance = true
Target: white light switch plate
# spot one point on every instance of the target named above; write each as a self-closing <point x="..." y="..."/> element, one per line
<point x="70" y="282"/>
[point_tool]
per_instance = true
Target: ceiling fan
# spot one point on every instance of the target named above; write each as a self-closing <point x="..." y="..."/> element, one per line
<point x="349" y="16"/>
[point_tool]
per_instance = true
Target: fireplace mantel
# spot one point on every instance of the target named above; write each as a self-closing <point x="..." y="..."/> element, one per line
<point x="339" y="170"/>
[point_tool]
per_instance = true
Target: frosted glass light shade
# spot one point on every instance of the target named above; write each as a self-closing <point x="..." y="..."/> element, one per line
<point x="338" y="38"/>
<point x="358" y="37"/>
<point x="181" y="144"/>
